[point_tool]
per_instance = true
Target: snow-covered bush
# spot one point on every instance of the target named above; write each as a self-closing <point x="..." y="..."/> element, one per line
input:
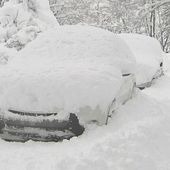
<point x="21" y="22"/>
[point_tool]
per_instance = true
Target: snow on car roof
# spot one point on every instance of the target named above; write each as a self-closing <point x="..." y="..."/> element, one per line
<point x="144" y="48"/>
<point x="80" y="43"/>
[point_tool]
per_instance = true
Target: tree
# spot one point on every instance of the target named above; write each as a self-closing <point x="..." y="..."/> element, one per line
<point x="150" y="17"/>
<point x="159" y="26"/>
<point x="2" y="3"/>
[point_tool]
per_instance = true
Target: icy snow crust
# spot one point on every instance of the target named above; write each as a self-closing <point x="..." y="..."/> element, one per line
<point x="67" y="69"/>
<point x="148" y="54"/>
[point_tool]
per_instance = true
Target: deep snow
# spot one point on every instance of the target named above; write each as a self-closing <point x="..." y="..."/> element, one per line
<point x="136" y="138"/>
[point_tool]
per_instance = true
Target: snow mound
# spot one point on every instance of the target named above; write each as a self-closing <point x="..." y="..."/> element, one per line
<point x="67" y="69"/>
<point x="148" y="55"/>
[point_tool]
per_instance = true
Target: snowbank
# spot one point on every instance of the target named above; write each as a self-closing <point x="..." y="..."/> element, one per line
<point x="67" y="69"/>
<point x="148" y="54"/>
<point x="136" y="138"/>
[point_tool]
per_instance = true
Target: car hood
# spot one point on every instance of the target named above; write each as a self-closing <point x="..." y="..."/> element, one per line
<point x="59" y="87"/>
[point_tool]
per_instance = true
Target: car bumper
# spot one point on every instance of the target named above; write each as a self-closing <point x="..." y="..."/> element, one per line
<point x="22" y="126"/>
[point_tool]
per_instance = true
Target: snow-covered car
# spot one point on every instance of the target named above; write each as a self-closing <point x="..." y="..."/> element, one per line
<point x="149" y="58"/>
<point x="66" y="78"/>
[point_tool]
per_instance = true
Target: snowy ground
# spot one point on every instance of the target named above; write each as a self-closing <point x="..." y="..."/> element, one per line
<point x="137" y="138"/>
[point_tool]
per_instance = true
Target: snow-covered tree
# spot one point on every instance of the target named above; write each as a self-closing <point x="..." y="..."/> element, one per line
<point x="22" y="21"/>
<point x="150" y="17"/>
<point x="157" y="14"/>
